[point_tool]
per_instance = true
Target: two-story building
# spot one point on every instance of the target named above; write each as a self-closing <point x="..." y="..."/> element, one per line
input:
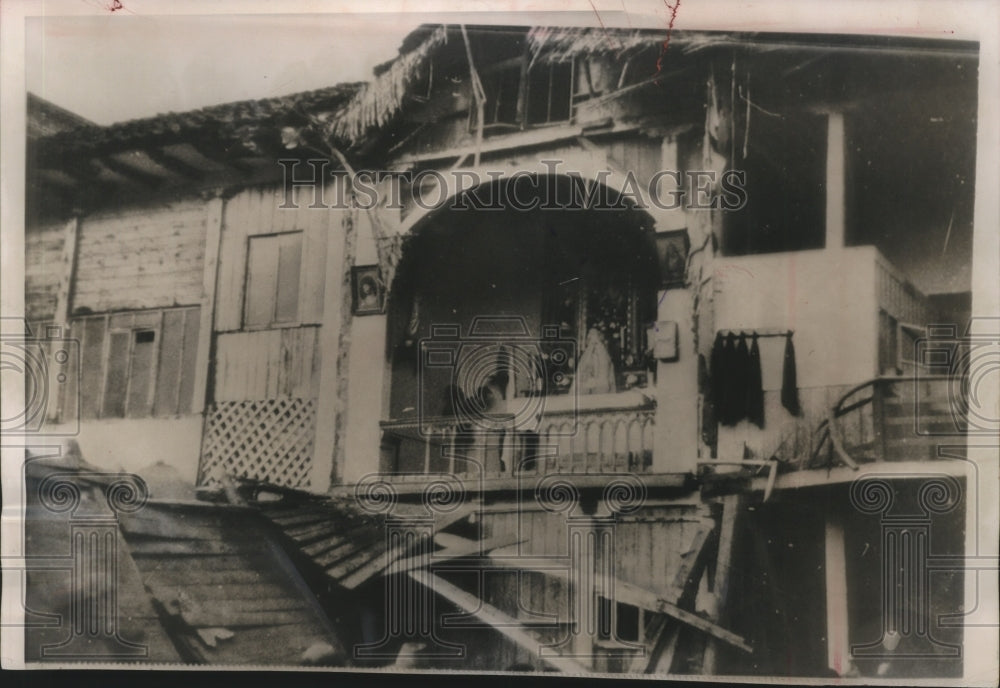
<point x="653" y="329"/>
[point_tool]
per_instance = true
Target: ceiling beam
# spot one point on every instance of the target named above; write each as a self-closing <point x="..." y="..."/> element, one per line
<point x="175" y="165"/>
<point x="132" y="173"/>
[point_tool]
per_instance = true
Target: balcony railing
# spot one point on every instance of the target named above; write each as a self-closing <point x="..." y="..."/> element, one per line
<point x="591" y="441"/>
<point x="889" y="419"/>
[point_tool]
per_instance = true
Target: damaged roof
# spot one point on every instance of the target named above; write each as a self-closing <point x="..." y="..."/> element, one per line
<point x="195" y="582"/>
<point x="236" y="124"/>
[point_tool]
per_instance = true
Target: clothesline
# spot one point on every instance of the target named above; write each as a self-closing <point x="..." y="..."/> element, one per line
<point x="759" y="333"/>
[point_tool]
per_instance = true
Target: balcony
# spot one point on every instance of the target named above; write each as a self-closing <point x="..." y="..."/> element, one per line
<point x="857" y="321"/>
<point x="577" y="441"/>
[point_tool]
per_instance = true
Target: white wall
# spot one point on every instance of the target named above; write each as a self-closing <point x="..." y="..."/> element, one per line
<point x="675" y="447"/>
<point x="133" y="444"/>
<point x="828" y="298"/>
<point x="367" y="376"/>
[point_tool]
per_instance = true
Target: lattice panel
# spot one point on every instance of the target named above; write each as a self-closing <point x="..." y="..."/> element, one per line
<point x="270" y="440"/>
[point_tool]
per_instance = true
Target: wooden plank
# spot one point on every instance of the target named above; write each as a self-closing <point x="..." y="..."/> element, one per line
<point x="460" y="547"/>
<point x="66" y="271"/>
<point x="192" y="547"/>
<point x="314" y="269"/>
<point x="630" y="593"/>
<point x="332" y="556"/>
<point x="662" y="658"/>
<point x="302" y="516"/>
<point x="731" y="506"/>
<point x="64" y="297"/>
<point x="356" y="561"/>
<point x="506" y="625"/>
<point x="646" y="599"/>
<point x="209" y="576"/>
<point x="205" y="563"/>
<point x="326" y="544"/>
<point x="388" y="556"/>
<point x="313" y="531"/>
<point x="224" y="607"/>
<point x="218" y="593"/>
<point x="837" y="626"/>
<point x="208" y="619"/>
<point x="692" y="562"/>
<point x="172" y="529"/>
<point x="214" y="210"/>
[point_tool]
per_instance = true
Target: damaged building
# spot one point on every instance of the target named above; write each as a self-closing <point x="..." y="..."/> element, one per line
<point x="691" y="419"/>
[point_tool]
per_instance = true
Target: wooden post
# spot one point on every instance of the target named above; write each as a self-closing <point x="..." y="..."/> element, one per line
<point x="838" y="647"/>
<point x="835" y="180"/>
<point x="343" y="346"/>
<point x="64" y="298"/>
<point x="731" y="506"/>
<point x="323" y="470"/>
<point x="203" y="358"/>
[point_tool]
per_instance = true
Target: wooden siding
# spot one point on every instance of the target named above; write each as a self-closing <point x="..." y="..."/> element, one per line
<point x="145" y="258"/>
<point x="650" y="547"/>
<point x="267" y="364"/>
<point x="169" y="383"/>
<point x="255" y="212"/>
<point x="43" y="248"/>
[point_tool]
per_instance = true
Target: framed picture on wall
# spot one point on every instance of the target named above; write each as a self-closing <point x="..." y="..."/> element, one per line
<point x="672" y="248"/>
<point x="367" y="290"/>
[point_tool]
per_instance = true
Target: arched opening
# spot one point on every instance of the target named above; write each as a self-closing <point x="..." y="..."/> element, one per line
<point x="518" y="314"/>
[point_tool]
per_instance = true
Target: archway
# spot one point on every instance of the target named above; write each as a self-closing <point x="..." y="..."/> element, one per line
<point x="543" y="310"/>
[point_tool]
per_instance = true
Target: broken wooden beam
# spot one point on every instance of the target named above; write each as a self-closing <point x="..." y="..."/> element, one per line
<point x="731" y="506"/>
<point x="455" y="551"/>
<point x="629" y="593"/>
<point x="504" y="624"/>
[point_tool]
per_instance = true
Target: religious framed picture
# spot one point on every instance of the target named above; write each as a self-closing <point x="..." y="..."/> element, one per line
<point x="672" y="249"/>
<point x="367" y="289"/>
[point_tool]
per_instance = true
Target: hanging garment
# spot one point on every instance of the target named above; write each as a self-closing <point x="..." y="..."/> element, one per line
<point x="755" y="386"/>
<point x="733" y="383"/>
<point x="741" y="380"/>
<point x="789" y="381"/>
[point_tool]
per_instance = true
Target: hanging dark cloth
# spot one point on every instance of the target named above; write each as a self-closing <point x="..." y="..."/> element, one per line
<point x="755" y="386"/>
<point x="727" y="406"/>
<point x="736" y="387"/>
<point x="741" y="381"/>
<point x="789" y="381"/>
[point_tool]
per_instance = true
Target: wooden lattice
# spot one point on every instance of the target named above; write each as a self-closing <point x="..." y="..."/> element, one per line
<point x="269" y="440"/>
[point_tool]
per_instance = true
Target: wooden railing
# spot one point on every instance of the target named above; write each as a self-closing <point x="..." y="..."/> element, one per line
<point x="889" y="419"/>
<point x="591" y="441"/>
<point x="897" y="296"/>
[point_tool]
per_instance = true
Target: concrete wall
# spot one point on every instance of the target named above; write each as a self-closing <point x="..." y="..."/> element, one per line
<point x="828" y="298"/>
<point x="134" y="444"/>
